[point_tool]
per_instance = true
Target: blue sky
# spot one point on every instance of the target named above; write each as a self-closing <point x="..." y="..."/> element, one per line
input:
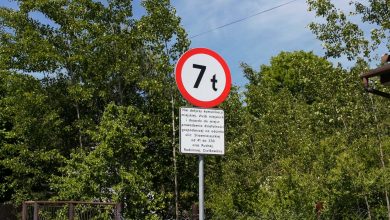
<point x="253" y="41"/>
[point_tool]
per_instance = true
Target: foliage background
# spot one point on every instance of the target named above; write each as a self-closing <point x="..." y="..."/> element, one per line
<point x="303" y="140"/>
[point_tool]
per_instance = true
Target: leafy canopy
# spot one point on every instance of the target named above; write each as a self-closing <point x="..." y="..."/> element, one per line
<point x="354" y="33"/>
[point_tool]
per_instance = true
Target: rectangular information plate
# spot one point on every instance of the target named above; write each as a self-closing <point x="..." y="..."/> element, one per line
<point x="202" y="131"/>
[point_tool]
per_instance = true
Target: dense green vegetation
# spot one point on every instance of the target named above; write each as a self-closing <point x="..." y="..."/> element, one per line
<point x="309" y="136"/>
<point x="303" y="140"/>
<point x="357" y="32"/>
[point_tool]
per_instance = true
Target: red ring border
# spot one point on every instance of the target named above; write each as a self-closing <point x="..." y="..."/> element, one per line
<point x="184" y="92"/>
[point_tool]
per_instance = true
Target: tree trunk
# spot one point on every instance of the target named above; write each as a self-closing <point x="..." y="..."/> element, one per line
<point x="120" y="90"/>
<point x="173" y="139"/>
<point x="78" y="118"/>
<point x="382" y="160"/>
<point x="368" y="208"/>
<point x="174" y="158"/>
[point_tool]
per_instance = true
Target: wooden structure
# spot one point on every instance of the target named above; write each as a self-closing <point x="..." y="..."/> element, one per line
<point x="383" y="73"/>
<point x="71" y="210"/>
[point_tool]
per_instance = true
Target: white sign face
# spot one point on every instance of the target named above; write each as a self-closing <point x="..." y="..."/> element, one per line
<point x="202" y="131"/>
<point x="203" y="77"/>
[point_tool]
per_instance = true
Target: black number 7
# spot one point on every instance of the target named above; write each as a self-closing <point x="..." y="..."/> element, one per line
<point x="202" y="70"/>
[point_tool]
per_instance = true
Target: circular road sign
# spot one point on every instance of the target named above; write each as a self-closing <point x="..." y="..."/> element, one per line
<point x="203" y="77"/>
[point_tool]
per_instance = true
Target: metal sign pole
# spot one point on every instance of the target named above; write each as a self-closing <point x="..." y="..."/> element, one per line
<point x="201" y="187"/>
<point x="202" y="130"/>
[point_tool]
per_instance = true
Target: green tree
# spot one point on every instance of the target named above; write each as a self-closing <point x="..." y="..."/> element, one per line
<point x="95" y="55"/>
<point x="115" y="169"/>
<point x="30" y="140"/>
<point x="310" y="139"/>
<point x="342" y="35"/>
<point x="345" y="32"/>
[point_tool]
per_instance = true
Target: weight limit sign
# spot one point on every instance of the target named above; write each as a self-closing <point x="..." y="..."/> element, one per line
<point x="203" y="77"/>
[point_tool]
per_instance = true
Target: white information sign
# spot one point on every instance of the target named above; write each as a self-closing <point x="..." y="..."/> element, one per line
<point x="202" y="131"/>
